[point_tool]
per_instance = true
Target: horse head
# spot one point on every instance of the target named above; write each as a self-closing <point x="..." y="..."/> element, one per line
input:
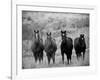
<point x="81" y="39"/>
<point x="49" y="35"/>
<point x="36" y="34"/>
<point x="63" y="35"/>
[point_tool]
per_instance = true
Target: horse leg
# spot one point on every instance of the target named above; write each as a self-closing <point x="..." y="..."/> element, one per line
<point x="70" y="57"/>
<point x="62" y="57"/>
<point x="39" y="58"/>
<point x="80" y="55"/>
<point x="48" y="56"/>
<point x="83" y="55"/>
<point x="42" y="57"/>
<point x="77" y="54"/>
<point x="35" y="59"/>
<point x="67" y="55"/>
<point x="48" y="60"/>
<point x="53" y="58"/>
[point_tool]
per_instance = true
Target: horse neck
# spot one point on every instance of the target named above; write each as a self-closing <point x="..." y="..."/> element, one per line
<point x="37" y="38"/>
<point x="64" y="39"/>
<point x="49" y="40"/>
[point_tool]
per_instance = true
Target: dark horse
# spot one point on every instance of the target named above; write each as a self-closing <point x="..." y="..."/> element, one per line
<point x="80" y="46"/>
<point x="66" y="46"/>
<point x="50" y="48"/>
<point x="37" y="47"/>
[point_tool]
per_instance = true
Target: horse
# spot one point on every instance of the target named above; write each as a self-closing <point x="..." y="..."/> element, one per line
<point x="80" y="46"/>
<point x="37" y="47"/>
<point x="50" y="48"/>
<point x="66" y="46"/>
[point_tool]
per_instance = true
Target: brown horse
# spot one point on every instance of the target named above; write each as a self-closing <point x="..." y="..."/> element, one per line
<point x="66" y="46"/>
<point x="37" y="47"/>
<point x="50" y="48"/>
<point x="80" y="46"/>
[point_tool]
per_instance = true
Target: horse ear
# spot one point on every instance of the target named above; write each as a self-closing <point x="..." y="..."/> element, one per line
<point x="37" y="31"/>
<point x="50" y="33"/>
<point x="34" y="31"/>
<point x="83" y="35"/>
<point x="47" y="33"/>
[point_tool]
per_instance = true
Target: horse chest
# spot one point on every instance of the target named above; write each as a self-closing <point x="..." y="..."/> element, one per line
<point x="64" y="46"/>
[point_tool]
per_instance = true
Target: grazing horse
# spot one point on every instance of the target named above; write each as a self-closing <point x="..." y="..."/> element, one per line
<point x="66" y="46"/>
<point x="37" y="47"/>
<point x="50" y="48"/>
<point x="80" y="46"/>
